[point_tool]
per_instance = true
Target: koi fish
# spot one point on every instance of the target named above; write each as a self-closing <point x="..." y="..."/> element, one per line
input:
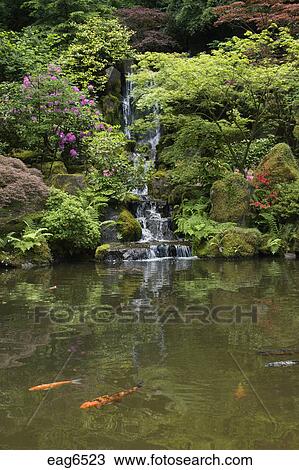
<point x="109" y="399"/>
<point x="240" y="392"/>
<point x="278" y="352"/>
<point x="54" y="385"/>
<point x="282" y="364"/>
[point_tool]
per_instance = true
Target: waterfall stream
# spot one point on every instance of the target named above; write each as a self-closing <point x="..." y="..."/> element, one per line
<point x="155" y="223"/>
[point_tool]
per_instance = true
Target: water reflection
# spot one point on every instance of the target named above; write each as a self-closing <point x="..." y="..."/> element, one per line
<point x="188" y="401"/>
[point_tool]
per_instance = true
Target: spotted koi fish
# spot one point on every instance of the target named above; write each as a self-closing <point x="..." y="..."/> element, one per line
<point x="109" y="399"/>
<point x="282" y="364"/>
<point x="54" y="385"/>
<point x="278" y="352"/>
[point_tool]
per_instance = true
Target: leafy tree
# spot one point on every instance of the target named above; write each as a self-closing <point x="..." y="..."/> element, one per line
<point x="13" y="15"/>
<point x="26" y="52"/>
<point x="98" y="44"/>
<point x="149" y="25"/>
<point x="215" y="107"/>
<point x="260" y="13"/>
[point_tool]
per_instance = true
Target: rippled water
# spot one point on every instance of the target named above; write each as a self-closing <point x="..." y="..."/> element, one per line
<point x="115" y="326"/>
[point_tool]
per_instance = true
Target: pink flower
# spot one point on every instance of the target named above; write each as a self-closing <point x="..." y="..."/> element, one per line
<point x="73" y="153"/>
<point x="26" y="82"/>
<point x="107" y="173"/>
<point x="90" y="87"/>
<point x="76" y="89"/>
<point x="53" y="77"/>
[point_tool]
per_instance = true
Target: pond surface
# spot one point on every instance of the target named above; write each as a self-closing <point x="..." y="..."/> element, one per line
<point x="204" y="385"/>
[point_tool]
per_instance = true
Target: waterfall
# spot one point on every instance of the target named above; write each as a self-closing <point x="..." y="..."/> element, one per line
<point x="155" y="223"/>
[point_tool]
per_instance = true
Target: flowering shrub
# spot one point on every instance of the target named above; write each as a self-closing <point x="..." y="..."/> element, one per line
<point x="264" y="194"/>
<point x="47" y="113"/>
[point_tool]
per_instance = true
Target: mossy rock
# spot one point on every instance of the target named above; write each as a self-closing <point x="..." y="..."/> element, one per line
<point x="129" y="227"/>
<point x="230" y="199"/>
<point x="280" y="165"/>
<point x="49" y="169"/>
<point x="234" y="242"/>
<point x="68" y="183"/>
<point x="110" y="105"/>
<point x="240" y="242"/>
<point x="159" y="186"/>
<point x="27" y="156"/>
<point x="38" y="256"/>
<point x="102" y="251"/>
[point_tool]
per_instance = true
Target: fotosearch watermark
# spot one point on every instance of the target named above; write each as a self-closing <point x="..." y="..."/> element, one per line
<point x="191" y="314"/>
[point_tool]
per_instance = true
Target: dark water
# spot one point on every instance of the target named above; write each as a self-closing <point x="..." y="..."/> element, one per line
<point x="102" y="325"/>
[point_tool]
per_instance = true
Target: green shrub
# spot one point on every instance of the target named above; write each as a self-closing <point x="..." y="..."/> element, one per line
<point x="74" y="227"/>
<point x="286" y="206"/>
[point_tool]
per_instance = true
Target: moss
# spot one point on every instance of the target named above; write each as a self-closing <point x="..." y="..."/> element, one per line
<point x="110" y="105"/>
<point x="53" y="168"/>
<point x="280" y="165"/>
<point x="129" y="227"/>
<point x="38" y="256"/>
<point x="232" y="243"/>
<point x="27" y="156"/>
<point x="159" y="185"/>
<point x="68" y="183"/>
<point x="230" y="199"/>
<point x="101" y="251"/>
<point x="240" y="242"/>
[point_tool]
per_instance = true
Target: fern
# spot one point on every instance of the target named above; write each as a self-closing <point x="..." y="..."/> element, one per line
<point x="30" y="239"/>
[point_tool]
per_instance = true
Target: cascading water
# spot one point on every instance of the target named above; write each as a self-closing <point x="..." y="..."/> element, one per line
<point x="156" y="225"/>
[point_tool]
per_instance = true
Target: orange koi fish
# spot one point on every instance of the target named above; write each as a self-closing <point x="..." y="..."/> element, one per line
<point x="108" y="399"/>
<point x="240" y="392"/>
<point x="54" y="385"/>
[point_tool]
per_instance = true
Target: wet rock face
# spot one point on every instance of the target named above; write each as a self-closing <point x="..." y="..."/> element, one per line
<point x="280" y="165"/>
<point x="230" y="199"/>
<point x="116" y="253"/>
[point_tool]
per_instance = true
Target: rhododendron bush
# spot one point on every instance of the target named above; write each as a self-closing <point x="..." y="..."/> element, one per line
<point x="48" y="115"/>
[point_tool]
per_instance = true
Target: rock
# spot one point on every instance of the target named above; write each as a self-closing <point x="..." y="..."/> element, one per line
<point x="279" y="165"/>
<point x="239" y="242"/>
<point x="230" y="199"/>
<point x="234" y="242"/>
<point x="110" y="105"/>
<point x="129" y="227"/>
<point x="37" y="256"/>
<point x="52" y="168"/>
<point x="68" y="183"/>
<point x="158" y="186"/>
<point x="102" y="251"/>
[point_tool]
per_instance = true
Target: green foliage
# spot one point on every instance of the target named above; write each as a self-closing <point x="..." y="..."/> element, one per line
<point x="98" y="44"/>
<point x="48" y="115"/>
<point x="30" y="239"/>
<point x="27" y="52"/>
<point x="193" y="222"/>
<point x="286" y="207"/>
<point x="221" y="107"/>
<point x="73" y="226"/>
<point x="113" y="173"/>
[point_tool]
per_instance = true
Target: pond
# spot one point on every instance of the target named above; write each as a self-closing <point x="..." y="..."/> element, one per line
<point x="189" y="329"/>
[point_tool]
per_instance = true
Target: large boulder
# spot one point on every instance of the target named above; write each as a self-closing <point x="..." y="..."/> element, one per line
<point x="22" y="191"/>
<point x="279" y="165"/>
<point x="233" y="242"/>
<point x="71" y="184"/>
<point x="230" y="199"/>
<point x="129" y="227"/>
